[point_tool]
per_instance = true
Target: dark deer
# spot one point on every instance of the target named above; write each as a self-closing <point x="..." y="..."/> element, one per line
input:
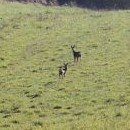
<point x="76" y="54"/>
<point x="62" y="70"/>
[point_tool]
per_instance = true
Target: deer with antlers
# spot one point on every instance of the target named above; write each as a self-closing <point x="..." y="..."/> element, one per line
<point x="76" y="54"/>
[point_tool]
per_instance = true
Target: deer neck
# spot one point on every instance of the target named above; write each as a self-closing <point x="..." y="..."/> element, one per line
<point x="73" y="50"/>
<point x="65" y="68"/>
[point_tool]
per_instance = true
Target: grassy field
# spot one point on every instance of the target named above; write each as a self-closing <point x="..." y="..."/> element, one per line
<point x="35" y="40"/>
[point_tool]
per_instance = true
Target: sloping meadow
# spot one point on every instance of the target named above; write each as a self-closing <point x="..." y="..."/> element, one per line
<point x="36" y="40"/>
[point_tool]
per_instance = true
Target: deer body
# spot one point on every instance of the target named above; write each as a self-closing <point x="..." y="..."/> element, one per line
<point x="62" y="70"/>
<point x="76" y="54"/>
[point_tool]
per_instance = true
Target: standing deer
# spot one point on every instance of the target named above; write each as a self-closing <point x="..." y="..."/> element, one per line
<point x="76" y="54"/>
<point x="62" y="70"/>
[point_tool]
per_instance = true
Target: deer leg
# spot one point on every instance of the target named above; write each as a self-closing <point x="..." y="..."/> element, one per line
<point x="59" y="76"/>
<point x="80" y="57"/>
<point x="74" y="59"/>
<point x="62" y="76"/>
<point x="77" y="59"/>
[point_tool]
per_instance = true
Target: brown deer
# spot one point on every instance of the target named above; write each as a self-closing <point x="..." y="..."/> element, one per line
<point x="76" y="54"/>
<point x="62" y="70"/>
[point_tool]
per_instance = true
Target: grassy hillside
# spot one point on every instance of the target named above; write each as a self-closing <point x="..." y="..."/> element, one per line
<point x="35" y="40"/>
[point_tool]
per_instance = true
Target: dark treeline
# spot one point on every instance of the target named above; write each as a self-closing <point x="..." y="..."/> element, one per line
<point x="105" y="4"/>
<point x="93" y="4"/>
<point x="99" y="4"/>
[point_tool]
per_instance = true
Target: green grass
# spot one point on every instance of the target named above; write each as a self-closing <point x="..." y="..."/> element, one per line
<point x="35" y="40"/>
